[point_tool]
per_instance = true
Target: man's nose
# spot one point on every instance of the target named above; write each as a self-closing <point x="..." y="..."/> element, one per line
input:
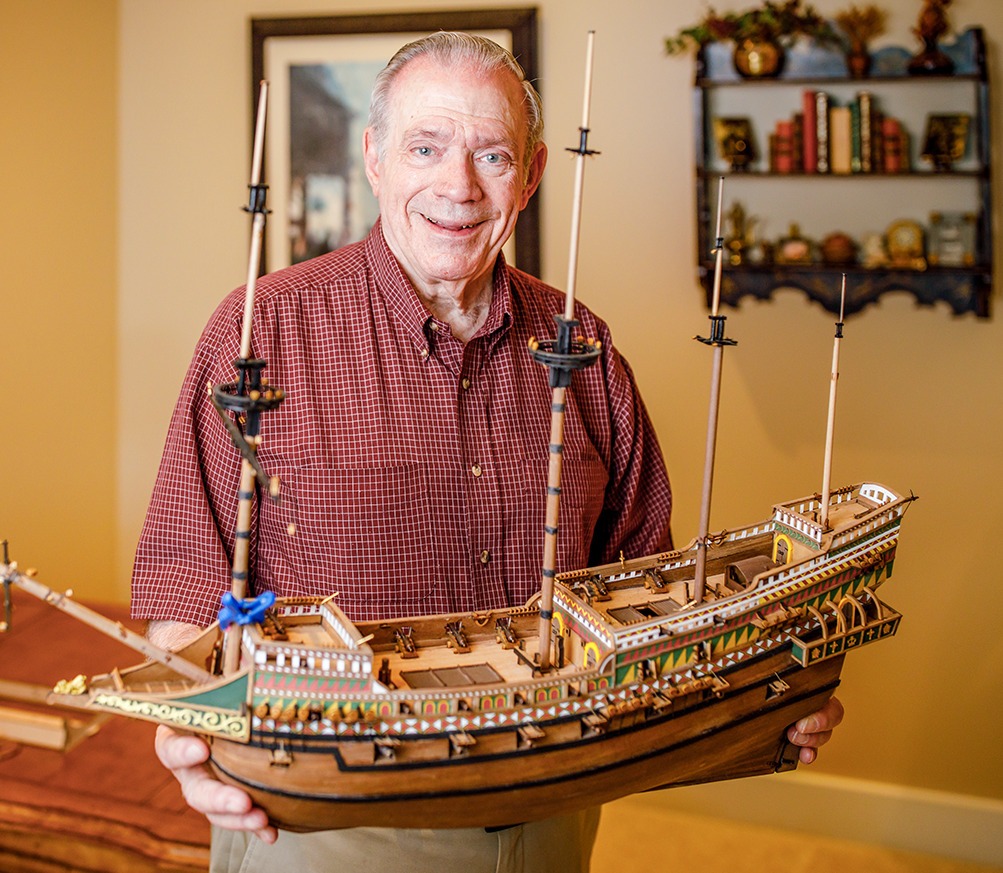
<point x="458" y="179"/>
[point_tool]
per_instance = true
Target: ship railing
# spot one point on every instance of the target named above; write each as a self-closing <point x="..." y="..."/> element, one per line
<point x="802" y="516"/>
<point x="881" y="519"/>
<point x="156" y="688"/>
<point x="769" y="588"/>
<point x="451" y="710"/>
<point x="304" y="605"/>
<point x="587" y="618"/>
<point x="341" y="626"/>
<point x="463" y="705"/>
<point x="878" y="493"/>
<point x="798" y="520"/>
<point x="676" y="560"/>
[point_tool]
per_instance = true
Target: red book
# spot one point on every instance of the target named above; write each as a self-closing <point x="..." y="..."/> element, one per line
<point x="798" y="143"/>
<point x="809" y="133"/>
<point x="891" y="137"/>
<point x="784" y="148"/>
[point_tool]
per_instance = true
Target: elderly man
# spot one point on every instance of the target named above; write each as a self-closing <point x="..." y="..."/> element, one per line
<point x="414" y="443"/>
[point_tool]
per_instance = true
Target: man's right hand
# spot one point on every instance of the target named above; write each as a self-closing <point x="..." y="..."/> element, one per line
<point x="224" y="805"/>
<point x="185" y="756"/>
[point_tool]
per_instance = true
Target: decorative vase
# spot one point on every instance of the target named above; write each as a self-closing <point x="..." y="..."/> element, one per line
<point x="858" y="63"/>
<point x="758" y="59"/>
<point x="931" y="61"/>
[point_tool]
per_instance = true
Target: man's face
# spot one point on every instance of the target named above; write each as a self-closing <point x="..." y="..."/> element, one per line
<point x="453" y="175"/>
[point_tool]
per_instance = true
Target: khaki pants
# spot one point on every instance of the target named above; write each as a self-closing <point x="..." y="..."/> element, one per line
<point x="555" y="845"/>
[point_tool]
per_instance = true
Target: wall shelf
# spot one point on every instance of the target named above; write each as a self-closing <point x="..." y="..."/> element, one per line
<point x="857" y="204"/>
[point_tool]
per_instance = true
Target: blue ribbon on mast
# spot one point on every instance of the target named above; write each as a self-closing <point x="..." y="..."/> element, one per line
<point x="249" y="611"/>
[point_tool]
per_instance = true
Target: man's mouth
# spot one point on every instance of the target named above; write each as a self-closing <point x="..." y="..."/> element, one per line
<point x="450" y="225"/>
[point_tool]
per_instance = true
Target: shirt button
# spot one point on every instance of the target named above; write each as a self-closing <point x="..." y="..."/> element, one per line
<point x="485" y="557"/>
<point x="465" y="383"/>
<point x="434" y="325"/>
<point x="424" y="353"/>
<point x="476" y="470"/>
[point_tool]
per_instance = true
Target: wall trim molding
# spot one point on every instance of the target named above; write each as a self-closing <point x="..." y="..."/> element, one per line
<point x="940" y="823"/>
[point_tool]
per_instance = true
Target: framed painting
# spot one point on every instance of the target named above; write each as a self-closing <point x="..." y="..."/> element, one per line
<point x="321" y="72"/>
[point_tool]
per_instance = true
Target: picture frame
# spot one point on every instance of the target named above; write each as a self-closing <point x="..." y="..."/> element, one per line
<point x="945" y="140"/>
<point x="320" y="71"/>
<point x="951" y="240"/>
<point x="735" y="143"/>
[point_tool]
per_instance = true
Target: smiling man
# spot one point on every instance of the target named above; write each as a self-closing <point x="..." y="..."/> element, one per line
<point x="413" y="446"/>
<point x="452" y="165"/>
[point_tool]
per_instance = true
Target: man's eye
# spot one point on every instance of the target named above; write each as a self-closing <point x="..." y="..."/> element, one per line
<point x="423" y="151"/>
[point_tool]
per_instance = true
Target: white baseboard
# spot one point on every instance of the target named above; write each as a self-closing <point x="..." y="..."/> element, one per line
<point x="910" y="819"/>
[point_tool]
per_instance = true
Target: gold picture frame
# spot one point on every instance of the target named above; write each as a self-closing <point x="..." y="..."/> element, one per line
<point x="945" y="141"/>
<point x="735" y="143"/>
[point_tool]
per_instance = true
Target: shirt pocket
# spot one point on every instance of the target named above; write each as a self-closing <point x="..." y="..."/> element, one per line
<point x="365" y="533"/>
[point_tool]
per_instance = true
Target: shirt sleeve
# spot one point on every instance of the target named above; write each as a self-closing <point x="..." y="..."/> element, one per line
<point x="182" y="563"/>
<point x="636" y="514"/>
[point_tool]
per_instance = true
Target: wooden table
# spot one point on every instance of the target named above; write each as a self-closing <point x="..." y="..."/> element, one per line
<point x="106" y="805"/>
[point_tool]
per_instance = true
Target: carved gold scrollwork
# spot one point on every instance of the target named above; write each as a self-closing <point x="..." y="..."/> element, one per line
<point x="229" y="726"/>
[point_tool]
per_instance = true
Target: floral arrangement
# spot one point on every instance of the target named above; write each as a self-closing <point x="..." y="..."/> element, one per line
<point x="860" y="25"/>
<point x="775" y="22"/>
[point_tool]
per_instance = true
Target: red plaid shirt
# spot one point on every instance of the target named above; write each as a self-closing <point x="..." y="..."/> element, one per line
<point x="413" y="465"/>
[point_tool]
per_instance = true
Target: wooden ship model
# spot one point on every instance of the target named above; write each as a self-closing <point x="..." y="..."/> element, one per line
<point x="668" y="669"/>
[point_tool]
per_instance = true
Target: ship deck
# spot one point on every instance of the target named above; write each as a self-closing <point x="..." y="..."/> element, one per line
<point x="434" y="663"/>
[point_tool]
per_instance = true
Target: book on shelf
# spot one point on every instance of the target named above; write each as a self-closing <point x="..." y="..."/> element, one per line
<point x="821" y="132"/>
<point x="895" y="158"/>
<point x="864" y="130"/>
<point x="797" y="132"/>
<point x="824" y="137"/>
<point x="856" y="143"/>
<point x="840" y="140"/>
<point x="782" y="147"/>
<point x="809" y="133"/>
<point x="877" y="141"/>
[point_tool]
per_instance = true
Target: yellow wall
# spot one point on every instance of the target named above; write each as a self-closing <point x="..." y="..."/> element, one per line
<point x="58" y="291"/>
<point x="920" y="394"/>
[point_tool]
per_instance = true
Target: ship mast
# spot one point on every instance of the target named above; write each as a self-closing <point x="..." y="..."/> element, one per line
<point x="718" y="341"/>
<point x="823" y="517"/>
<point x="248" y="397"/>
<point x="561" y="357"/>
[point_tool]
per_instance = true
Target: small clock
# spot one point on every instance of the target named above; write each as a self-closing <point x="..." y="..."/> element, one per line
<point x="904" y="242"/>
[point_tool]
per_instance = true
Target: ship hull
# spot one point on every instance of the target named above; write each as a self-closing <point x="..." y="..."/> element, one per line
<point x="737" y="732"/>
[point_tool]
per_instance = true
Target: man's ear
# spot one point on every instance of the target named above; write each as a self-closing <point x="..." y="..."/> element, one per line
<point x="370" y="155"/>
<point x="535" y="173"/>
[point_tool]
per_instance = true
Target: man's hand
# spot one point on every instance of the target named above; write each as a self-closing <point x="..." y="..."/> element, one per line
<point x="224" y="805"/>
<point x="814" y="730"/>
<point x="185" y="756"/>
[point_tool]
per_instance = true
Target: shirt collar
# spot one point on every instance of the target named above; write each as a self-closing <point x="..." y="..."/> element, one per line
<point x="404" y="303"/>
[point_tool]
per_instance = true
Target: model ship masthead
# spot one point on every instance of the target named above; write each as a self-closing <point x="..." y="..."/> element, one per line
<point x="718" y="340"/>
<point x="561" y="357"/>
<point x="823" y="518"/>
<point x="247" y="399"/>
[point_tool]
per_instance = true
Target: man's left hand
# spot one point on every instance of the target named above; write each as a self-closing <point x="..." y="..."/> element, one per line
<point x="814" y="730"/>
